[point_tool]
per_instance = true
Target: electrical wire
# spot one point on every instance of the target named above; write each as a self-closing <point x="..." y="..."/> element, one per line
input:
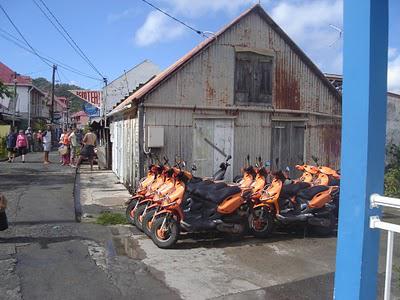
<point x="47" y="58"/>
<point x="22" y="36"/>
<point x="58" y="29"/>
<point x="77" y="49"/>
<point x="58" y="75"/>
<point x="199" y="32"/>
<point x="65" y="76"/>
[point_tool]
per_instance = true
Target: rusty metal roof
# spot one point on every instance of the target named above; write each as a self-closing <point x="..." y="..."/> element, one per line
<point x="157" y="80"/>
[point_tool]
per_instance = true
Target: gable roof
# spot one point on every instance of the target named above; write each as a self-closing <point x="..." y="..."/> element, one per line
<point x="7" y="76"/>
<point x="152" y="84"/>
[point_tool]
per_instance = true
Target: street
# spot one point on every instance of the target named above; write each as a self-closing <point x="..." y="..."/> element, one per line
<point x="46" y="254"/>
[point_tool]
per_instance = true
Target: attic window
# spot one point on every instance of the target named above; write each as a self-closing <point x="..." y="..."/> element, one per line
<point x="253" y="78"/>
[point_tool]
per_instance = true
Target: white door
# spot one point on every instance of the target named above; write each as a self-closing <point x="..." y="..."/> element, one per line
<point x="212" y="142"/>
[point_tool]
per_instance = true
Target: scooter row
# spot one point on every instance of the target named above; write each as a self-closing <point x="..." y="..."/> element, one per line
<point x="170" y="200"/>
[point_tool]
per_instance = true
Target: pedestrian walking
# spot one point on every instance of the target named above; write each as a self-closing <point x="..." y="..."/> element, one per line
<point x="65" y="155"/>
<point x="46" y="139"/>
<point x="22" y="145"/>
<point x="38" y="141"/>
<point x="3" y="216"/>
<point x="87" y="152"/>
<point x="73" y="147"/>
<point x="29" y="136"/>
<point x="11" y="141"/>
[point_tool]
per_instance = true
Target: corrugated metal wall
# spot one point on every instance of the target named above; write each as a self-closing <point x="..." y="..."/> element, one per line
<point x="208" y="80"/>
<point x="125" y="160"/>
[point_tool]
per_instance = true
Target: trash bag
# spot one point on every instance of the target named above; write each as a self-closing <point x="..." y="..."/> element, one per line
<point x="3" y="220"/>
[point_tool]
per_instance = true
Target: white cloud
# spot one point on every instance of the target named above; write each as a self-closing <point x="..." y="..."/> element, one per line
<point x="157" y="28"/>
<point x="309" y="21"/>
<point x="310" y="24"/>
<point x="394" y="73"/>
<point x="125" y="14"/>
<point x="392" y="52"/>
<point x="197" y="8"/>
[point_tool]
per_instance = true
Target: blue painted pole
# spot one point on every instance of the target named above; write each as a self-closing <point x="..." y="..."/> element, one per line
<point x="363" y="146"/>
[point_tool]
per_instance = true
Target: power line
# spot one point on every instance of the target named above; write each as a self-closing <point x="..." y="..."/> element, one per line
<point x="58" y="29"/>
<point x="58" y="75"/>
<point x="199" y="32"/>
<point x="47" y="58"/>
<point x="77" y="49"/>
<point x="22" y="36"/>
<point x="65" y="76"/>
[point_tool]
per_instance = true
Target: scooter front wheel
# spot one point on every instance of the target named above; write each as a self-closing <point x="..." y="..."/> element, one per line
<point x="147" y="222"/>
<point x="261" y="223"/>
<point x="165" y="232"/>
<point x="138" y="216"/>
<point x="130" y="211"/>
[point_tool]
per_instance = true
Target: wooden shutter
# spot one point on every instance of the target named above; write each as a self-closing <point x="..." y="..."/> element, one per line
<point x="253" y="78"/>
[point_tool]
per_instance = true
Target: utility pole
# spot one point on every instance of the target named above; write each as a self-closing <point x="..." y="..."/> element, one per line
<point x="14" y="106"/>
<point x="52" y="94"/>
<point x="68" y="106"/>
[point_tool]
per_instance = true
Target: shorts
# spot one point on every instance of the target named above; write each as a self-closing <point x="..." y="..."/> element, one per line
<point x="11" y="150"/>
<point x="87" y="151"/>
<point x="22" y="151"/>
<point x="73" y="151"/>
<point x="47" y="147"/>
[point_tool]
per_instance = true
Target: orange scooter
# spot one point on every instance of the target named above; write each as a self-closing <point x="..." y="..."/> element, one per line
<point x="208" y="206"/>
<point x="145" y="185"/>
<point x="142" y="206"/>
<point x="279" y="205"/>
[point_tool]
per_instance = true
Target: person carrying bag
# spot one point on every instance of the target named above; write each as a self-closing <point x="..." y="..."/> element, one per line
<point x="3" y="216"/>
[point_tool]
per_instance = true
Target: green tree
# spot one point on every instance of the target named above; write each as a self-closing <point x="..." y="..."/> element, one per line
<point x="61" y="90"/>
<point x="4" y="91"/>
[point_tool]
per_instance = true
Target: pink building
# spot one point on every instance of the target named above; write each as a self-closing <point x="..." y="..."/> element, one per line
<point x="80" y="119"/>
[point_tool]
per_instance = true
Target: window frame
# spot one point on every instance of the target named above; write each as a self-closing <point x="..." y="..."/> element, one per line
<point x="258" y="55"/>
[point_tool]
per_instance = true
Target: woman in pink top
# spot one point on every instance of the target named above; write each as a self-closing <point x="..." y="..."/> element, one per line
<point x="22" y="144"/>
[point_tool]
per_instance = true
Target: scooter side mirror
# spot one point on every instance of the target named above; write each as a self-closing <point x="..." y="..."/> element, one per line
<point x="194" y="167"/>
<point x="228" y="157"/>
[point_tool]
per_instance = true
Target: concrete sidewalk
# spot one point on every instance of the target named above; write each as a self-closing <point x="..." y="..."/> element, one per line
<point x="99" y="190"/>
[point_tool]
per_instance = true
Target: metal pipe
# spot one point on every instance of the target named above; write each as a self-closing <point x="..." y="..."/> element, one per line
<point x="389" y="258"/>
<point x="230" y="108"/>
<point x="240" y="108"/>
<point x="29" y="106"/>
<point x="141" y="139"/>
<point x="378" y="200"/>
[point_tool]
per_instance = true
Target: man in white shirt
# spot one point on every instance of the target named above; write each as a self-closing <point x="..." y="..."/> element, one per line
<point x="46" y="136"/>
<point x="74" y="146"/>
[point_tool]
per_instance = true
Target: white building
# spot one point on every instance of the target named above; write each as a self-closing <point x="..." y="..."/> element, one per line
<point x="128" y="82"/>
<point x="30" y="104"/>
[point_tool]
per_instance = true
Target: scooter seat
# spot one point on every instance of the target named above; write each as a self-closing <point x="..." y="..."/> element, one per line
<point x="202" y="190"/>
<point x="192" y="186"/>
<point x="217" y="196"/>
<point x="290" y="190"/>
<point x="308" y="194"/>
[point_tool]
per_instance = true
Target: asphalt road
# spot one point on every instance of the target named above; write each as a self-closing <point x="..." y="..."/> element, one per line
<point x="45" y="254"/>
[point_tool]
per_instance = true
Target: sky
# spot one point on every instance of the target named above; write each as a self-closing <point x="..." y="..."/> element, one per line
<point x="117" y="35"/>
